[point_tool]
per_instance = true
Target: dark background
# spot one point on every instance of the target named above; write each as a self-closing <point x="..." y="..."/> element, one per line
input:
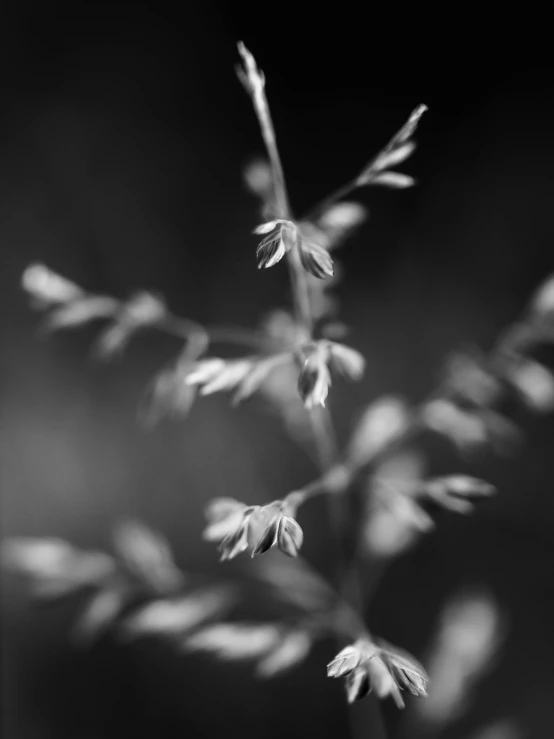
<point x="123" y="134"/>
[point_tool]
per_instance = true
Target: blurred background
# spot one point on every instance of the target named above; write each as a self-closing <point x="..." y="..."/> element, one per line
<point x="124" y="134"/>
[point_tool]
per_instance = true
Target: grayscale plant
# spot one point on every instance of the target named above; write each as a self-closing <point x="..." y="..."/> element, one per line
<point x="291" y="360"/>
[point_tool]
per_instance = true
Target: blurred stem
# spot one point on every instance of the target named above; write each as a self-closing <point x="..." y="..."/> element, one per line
<point x="185" y="328"/>
<point x="234" y="335"/>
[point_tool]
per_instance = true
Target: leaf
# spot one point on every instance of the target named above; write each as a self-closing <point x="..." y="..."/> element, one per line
<point x="534" y="384"/>
<point x="80" y="311"/>
<point x="342" y="217"/>
<point x="100" y="613"/>
<point x="265" y="228"/>
<point x="257" y="375"/>
<point x="282" y="328"/>
<point x="113" y="340"/>
<point x="383" y="421"/>
<point x="468" y="377"/>
<point x="204" y="371"/>
<point x="543" y="300"/>
<point x="258" y="178"/>
<point x="470" y="632"/>
<point x="502" y="433"/>
<point x="54" y="567"/>
<point x="293" y="648"/>
<point x="245" y="375"/>
<point x="466" y="429"/>
<point x="395" y="180"/>
<point x="395" y="521"/>
<point x="169" y="395"/>
<point x="231" y="374"/>
<point x="224" y="516"/>
<point x="147" y="556"/>
<point x="346" y="360"/>
<point x="411" y="124"/>
<point x="456" y="492"/>
<point x="144" y="308"/>
<point x="170" y="618"/>
<point x="397" y="155"/>
<point x="48" y="287"/>
<point x="234" y="641"/>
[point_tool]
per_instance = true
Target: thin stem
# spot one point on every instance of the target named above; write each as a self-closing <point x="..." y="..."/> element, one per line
<point x="184" y="327"/>
<point x="254" y="81"/>
<point x="321" y="424"/>
<point x="300" y="291"/>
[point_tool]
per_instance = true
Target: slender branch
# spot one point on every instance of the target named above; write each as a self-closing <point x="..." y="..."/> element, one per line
<point x="184" y="327"/>
<point x="254" y="81"/>
<point x="399" y="144"/>
<point x="321" y="422"/>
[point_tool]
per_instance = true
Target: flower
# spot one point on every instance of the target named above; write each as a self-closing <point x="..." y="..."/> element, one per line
<point x="399" y="148"/>
<point x="368" y="665"/>
<point x="236" y="541"/>
<point x="239" y="527"/>
<point x="225" y="516"/>
<point x="280" y="238"/>
<point x="244" y="375"/>
<point x="284" y="532"/>
<point x="315" y="378"/>
<point x="315" y="259"/>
